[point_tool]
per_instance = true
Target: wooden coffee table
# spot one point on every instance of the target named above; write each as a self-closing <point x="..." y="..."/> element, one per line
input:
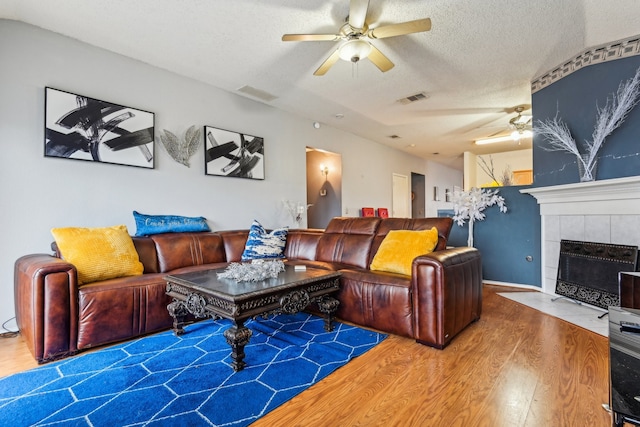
<point x="203" y="294"/>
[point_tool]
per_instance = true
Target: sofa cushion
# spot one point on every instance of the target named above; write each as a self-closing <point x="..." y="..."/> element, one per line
<point x="377" y="300"/>
<point x="118" y="309"/>
<point x="264" y="245"/>
<point x="234" y="242"/>
<point x="347" y="241"/>
<point x="400" y="247"/>
<point x="146" y="225"/>
<point x="98" y="253"/>
<point x="302" y="244"/>
<point x="177" y="250"/>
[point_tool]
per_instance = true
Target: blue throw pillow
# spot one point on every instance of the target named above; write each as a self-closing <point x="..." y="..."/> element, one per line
<point x="263" y="245"/>
<point x="147" y="225"/>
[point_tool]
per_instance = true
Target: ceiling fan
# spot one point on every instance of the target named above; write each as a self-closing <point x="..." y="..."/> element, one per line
<point x="520" y="127"/>
<point x="521" y="124"/>
<point x="356" y="35"/>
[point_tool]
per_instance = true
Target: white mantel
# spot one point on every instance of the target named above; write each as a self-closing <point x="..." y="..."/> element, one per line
<point x="592" y="198"/>
<point x="606" y="211"/>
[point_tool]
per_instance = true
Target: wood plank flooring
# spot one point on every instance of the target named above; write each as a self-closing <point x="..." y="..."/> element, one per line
<point x="514" y="367"/>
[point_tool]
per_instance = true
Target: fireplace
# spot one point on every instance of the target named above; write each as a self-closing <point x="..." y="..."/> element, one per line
<point x="605" y="211"/>
<point x="588" y="271"/>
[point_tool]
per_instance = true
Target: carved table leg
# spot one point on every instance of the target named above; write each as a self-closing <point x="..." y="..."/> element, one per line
<point x="178" y="311"/>
<point x="328" y="305"/>
<point x="237" y="337"/>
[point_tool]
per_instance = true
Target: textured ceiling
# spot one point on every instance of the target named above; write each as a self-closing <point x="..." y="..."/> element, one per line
<point x="475" y="64"/>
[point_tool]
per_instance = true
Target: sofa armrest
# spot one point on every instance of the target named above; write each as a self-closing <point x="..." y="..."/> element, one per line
<point x="447" y="294"/>
<point x="46" y="304"/>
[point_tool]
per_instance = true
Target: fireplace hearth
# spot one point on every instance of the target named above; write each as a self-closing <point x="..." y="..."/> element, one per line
<point x="598" y="211"/>
<point x="588" y="271"/>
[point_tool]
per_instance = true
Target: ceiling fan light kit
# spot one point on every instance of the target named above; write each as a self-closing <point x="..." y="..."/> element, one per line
<point x="521" y="125"/>
<point x="356" y="34"/>
<point x="354" y="50"/>
<point x="517" y="134"/>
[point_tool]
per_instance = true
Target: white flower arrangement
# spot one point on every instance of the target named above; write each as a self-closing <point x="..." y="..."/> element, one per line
<point x="470" y="206"/>
<point x="296" y="210"/>
<point x="608" y="119"/>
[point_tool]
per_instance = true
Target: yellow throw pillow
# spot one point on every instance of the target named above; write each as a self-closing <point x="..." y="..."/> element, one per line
<point x="98" y="253"/>
<point x="400" y="247"/>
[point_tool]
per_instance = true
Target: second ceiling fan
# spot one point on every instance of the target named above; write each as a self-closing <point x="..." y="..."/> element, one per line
<point x="356" y="35"/>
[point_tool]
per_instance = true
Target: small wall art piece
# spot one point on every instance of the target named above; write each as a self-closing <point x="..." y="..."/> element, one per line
<point x="368" y="212"/>
<point x="82" y="128"/>
<point x="234" y="154"/>
<point x="181" y="149"/>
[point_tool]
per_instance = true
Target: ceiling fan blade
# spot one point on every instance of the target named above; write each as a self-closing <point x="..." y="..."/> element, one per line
<point x="379" y="60"/>
<point x="309" y="37"/>
<point x="401" y="29"/>
<point x="328" y="63"/>
<point x="358" y="13"/>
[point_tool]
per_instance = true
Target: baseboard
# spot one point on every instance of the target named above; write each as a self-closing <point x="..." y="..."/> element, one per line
<point x="512" y="285"/>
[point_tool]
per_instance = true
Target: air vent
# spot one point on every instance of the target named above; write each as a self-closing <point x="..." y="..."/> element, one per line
<point x="257" y="93"/>
<point x="413" y="98"/>
<point x="394" y="136"/>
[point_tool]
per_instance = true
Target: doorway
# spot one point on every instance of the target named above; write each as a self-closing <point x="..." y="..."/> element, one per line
<point x="400" y="196"/>
<point x="324" y="187"/>
<point x="417" y="195"/>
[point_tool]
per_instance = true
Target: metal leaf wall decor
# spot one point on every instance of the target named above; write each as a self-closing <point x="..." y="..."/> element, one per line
<point x="182" y="150"/>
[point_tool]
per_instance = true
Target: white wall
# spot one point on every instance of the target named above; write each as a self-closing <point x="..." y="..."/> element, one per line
<point x="514" y="160"/>
<point x="444" y="178"/>
<point x="40" y="193"/>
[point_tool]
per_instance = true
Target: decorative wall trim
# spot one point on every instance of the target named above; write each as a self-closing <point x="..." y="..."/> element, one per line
<point x="607" y="52"/>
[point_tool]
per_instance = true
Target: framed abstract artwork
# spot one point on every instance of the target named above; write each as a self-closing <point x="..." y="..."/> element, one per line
<point x="82" y="128"/>
<point x="234" y="154"/>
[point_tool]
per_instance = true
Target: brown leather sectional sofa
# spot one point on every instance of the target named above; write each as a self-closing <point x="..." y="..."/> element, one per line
<point x="58" y="318"/>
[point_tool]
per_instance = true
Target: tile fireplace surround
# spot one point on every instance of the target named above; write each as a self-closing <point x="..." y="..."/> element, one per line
<point x="606" y="211"/>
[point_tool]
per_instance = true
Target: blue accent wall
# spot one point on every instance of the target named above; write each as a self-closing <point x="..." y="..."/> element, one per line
<point x="506" y="239"/>
<point x="458" y="235"/>
<point x="574" y="99"/>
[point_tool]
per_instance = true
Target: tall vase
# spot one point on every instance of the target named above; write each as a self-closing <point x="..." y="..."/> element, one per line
<point x="470" y="239"/>
<point x="587" y="174"/>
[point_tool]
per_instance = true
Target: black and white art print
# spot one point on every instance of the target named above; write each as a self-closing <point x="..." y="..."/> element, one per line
<point x="83" y="128"/>
<point x="233" y="154"/>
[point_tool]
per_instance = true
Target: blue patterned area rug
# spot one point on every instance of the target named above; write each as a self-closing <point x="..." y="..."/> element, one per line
<point x="164" y="380"/>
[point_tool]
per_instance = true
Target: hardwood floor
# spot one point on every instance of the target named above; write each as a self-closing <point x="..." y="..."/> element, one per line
<point x="514" y="367"/>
